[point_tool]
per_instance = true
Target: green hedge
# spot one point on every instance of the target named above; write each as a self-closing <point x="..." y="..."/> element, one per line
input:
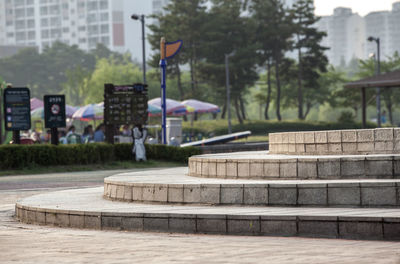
<point x="219" y="127"/>
<point x="20" y="156"/>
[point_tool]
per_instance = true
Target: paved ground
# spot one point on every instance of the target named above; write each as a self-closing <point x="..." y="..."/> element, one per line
<point x="20" y="243"/>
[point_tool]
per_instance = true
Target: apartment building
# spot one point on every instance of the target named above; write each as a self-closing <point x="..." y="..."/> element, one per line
<point x="74" y="22"/>
<point x="158" y="6"/>
<point x="377" y="25"/>
<point x="347" y="34"/>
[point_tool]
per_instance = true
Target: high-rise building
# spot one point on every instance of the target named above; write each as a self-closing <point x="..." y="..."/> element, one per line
<point x="81" y="22"/>
<point x="158" y="6"/>
<point x="377" y="25"/>
<point x="394" y="24"/>
<point x="345" y="35"/>
<point x="2" y="22"/>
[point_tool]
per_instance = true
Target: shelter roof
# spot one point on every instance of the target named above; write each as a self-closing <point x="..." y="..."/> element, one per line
<point x="390" y="79"/>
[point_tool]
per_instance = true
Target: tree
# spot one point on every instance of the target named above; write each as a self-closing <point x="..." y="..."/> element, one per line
<point x="109" y="71"/>
<point x="311" y="60"/>
<point x="274" y="29"/>
<point x="2" y="127"/>
<point x="229" y="32"/>
<point x="75" y="88"/>
<point x="183" y="20"/>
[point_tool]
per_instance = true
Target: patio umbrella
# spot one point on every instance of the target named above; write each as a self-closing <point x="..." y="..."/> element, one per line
<point x="89" y="112"/>
<point x="38" y="113"/>
<point x="36" y="103"/>
<point x="172" y="105"/>
<point x="201" y="107"/>
<point x="153" y="110"/>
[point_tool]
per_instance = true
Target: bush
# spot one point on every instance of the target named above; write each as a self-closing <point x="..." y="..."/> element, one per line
<point x="20" y="156"/>
<point x="346" y="117"/>
<point x="219" y="127"/>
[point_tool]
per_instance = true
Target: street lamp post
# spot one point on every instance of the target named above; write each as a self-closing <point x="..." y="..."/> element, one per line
<point x="228" y="93"/>
<point x="141" y="18"/>
<point x="378" y="72"/>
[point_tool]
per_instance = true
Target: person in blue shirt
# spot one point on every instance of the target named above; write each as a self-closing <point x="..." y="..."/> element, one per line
<point x="99" y="133"/>
<point x="383" y="117"/>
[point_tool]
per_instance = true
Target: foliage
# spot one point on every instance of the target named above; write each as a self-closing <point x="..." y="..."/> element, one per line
<point x="109" y="71"/>
<point x="346" y="117"/>
<point x="184" y="20"/>
<point x="59" y="68"/>
<point x="20" y="156"/>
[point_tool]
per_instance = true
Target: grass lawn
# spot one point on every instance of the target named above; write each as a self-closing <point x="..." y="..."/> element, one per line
<point x="91" y="167"/>
<point x="255" y="138"/>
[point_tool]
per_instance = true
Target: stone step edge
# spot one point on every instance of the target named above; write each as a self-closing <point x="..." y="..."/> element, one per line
<point x="348" y="194"/>
<point x="347" y="227"/>
<point x="361" y="166"/>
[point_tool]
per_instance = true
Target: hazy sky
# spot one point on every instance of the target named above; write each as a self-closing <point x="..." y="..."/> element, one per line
<point x="362" y="7"/>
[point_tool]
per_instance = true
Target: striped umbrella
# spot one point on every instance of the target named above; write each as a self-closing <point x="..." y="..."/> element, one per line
<point x="36" y="103"/>
<point x="38" y="113"/>
<point x="89" y="112"/>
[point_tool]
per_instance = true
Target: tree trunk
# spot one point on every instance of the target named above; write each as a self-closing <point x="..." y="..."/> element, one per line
<point x="223" y="111"/>
<point x="237" y="110"/>
<point x="179" y="82"/>
<point x="355" y="108"/>
<point x="192" y="77"/>
<point x="308" y="108"/>
<point x="242" y="108"/>
<point x="300" y="85"/>
<point x="194" y="68"/>
<point x="278" y="90"/>
<point x="268" y="91"/>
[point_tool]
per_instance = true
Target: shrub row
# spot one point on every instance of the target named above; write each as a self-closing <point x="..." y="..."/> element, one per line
<point x="219" y="127"/>
<point x="20" y="156"/>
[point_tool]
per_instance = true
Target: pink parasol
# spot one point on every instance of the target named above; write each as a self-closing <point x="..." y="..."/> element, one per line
<point x="36" y="103"/>
<point x="201" y="107"/>
<point x="172" y="105"/>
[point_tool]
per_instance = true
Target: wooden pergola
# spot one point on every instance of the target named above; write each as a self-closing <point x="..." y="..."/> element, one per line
<point x="385" y="80"/>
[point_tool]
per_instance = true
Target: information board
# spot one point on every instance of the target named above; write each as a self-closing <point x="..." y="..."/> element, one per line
<point x="17" y="109"/>
<point x="125" y="104"/>
<point x="54" y="111"/>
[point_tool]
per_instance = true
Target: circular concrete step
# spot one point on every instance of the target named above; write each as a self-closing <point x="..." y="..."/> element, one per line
<point x="334" y="142"/>
<point x="174" y="187"/>
<point x="85" y="208"/>
<point x="262" y="165"/>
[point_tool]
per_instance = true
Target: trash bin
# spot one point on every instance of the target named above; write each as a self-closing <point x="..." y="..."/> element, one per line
<point x="174" y="129"/>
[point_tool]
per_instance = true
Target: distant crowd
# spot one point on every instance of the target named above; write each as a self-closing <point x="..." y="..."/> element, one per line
<point x="71" y="136"/>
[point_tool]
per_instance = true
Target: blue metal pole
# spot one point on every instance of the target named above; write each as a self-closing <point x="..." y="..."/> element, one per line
<point x="163" y="65"/>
